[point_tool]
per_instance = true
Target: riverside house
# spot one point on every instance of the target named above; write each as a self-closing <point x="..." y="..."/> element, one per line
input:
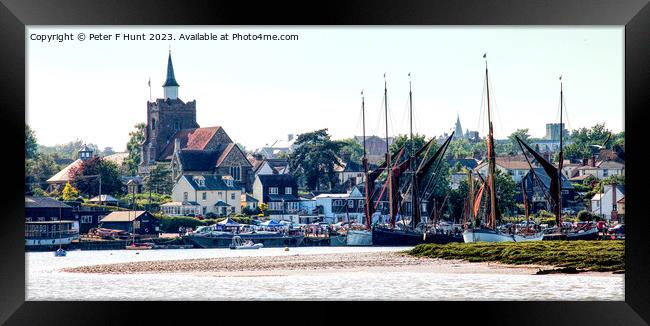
<point x="140" y="221"/>
<point x="204" y="194"/>
<point x="279" y="192"/>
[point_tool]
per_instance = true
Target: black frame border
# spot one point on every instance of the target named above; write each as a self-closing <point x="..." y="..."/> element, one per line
<point x="634" y="14"/>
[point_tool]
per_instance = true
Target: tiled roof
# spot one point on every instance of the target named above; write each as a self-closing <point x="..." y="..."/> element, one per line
<point x="44" y="202"/>
<point x="278" y="180"/>
<point x="198" y="160"/>
<point x="283" y="197"/>
<point x="105" y="198"/>
<point x="117" y="158"/>
<point x="248" y="198"/>
<point x="194" y="138"/>
<point x="122" y="216"/>
<point x="546" y="180"/>
<point x="63" y="175"/>
<point x="211" y="182"/>
<point x="469" y="163"/>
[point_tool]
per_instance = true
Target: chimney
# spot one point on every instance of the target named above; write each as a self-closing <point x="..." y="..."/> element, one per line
<point x="593" y="161"/>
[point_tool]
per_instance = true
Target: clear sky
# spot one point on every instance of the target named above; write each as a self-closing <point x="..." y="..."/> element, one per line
<point x="260" y="91"/>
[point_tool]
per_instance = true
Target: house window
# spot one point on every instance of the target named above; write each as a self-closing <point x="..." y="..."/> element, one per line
<point x="86" y="219"/>
<point x="232" y="196"/>
<point x="287" y="190"/>
<point x="220" y="194"/>
<point x="350" y="203"/>
<point x="275" y="206"/>
<point x="292" y="206"/>
<point x="605" y="172"/>
<point x="273" y="190"/>
<point x="153" y="124"/>
<point x="361" y="203"/>
<point x="235" y="172"/>
<point x="204" y="195"/>
<point x="177" y="125"/>
<point x="185" y="196"/>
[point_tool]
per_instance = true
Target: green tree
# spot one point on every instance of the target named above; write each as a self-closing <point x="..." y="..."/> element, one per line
<point x="459" y="148"/>
<point x="159" y="180"/>
<point x="31" y="147"/>
<point x="43" y="168"/>
<point x="352" y="147"/>
<point x="69" y="192"/>
<point x="583" y="140"/>
<point x="404" y="140"/>
<point x="505" y="193"/>
<point x="68" y="150"/>
<point x="514" y="145"/>
<point x="81" y="177"/>
<point x="136" y="137"/>
<point x="314" y="158"/>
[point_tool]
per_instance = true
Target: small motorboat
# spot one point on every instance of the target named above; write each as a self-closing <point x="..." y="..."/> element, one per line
<point x="238" y="243"/>
<point x="60" y="253"/>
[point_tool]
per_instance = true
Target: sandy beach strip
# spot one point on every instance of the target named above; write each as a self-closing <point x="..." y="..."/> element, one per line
<point x="302" y="264"/>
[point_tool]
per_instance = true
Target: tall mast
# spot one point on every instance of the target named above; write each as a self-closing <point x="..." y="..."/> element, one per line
<point x="491" y="154"/>
<point x="365" y="166"/>
<point x="415" y="206"/>
<point x="389" y="169"/>
<point x="559" y="166"/>
<point x="470" y="201"/>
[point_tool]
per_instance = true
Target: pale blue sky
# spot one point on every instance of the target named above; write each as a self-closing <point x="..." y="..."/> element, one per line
<point x="260" y="91"/>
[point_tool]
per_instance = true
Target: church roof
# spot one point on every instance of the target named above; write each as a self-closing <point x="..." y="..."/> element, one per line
<point x="198" y="160"/>
<point x="63" y="175"/>
<point x="171" y="80"/>
<point x="194" y="138"/>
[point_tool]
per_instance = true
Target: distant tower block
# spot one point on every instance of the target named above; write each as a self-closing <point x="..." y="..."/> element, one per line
<point x="170" y="86"/>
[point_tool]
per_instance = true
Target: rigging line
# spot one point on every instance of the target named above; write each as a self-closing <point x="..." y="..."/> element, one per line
<point x="566" y="113"/>
<point x="480" y="125"/>
<point x="404" y="115"/>
<point x="496" y="109"/>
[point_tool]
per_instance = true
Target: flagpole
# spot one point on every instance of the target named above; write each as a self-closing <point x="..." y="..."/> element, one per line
<point x="149" y="89"/>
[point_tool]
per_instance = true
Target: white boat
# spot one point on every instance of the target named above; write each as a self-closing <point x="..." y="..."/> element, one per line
<point x="60" y="253"/>
<point x="237" y="243"/>
<point x="359" y="238"/>
<point x="49" y="234"/>
<point x="486" y="235"/>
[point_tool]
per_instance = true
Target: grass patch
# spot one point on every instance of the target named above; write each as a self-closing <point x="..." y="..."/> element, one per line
<point x="600" y="256"/>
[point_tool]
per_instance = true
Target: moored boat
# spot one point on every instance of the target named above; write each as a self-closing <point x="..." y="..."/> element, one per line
<point x="359" y="238"/>
<point x="43" y="235"/>
<point x="208" y="237"/>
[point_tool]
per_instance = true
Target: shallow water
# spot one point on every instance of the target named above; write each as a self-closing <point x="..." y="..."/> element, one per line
<point x="46" y="282"/>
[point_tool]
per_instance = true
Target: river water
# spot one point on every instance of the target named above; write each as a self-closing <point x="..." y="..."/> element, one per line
<point x="45" y="281"/>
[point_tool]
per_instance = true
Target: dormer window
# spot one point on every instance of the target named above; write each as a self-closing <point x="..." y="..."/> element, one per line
<point x="200" y="181"/>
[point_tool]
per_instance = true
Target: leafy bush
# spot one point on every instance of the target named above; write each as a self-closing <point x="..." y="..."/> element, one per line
<point x="170" y="224"/>
<point x="585" y="215"/>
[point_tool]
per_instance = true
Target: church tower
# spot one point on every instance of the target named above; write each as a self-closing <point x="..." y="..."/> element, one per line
<point x="165" y="116"/>
<point x="170" y="86"/>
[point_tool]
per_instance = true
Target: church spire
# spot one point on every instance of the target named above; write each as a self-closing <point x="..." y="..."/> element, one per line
<point x="171" y="86"/>
<point x="459" y="129"/>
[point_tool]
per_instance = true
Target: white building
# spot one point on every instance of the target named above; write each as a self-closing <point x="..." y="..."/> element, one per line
<point x="200" y="194"/>
<point x="342" y="207"/>
<point x="602" y="204"/>
<point x="602" y="169"/>
<point x="513" y="166"/>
